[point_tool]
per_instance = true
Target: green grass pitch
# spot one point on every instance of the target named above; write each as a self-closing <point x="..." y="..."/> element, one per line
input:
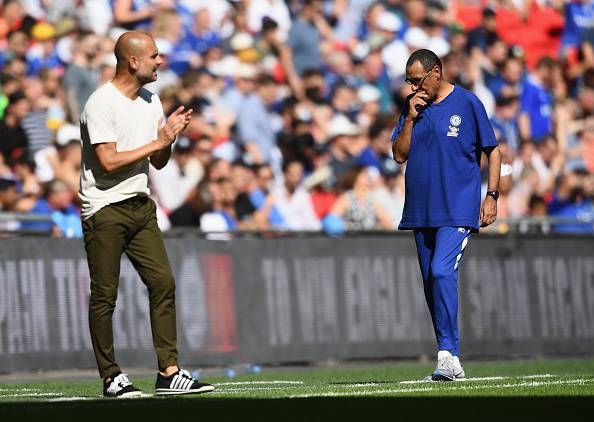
<point x="539" y="388"/>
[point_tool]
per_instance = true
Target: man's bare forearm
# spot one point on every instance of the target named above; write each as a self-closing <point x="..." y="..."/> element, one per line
<point x="494" y="157"/>
<point x="160" y="158"/>
<point x="112" y="160"/>
<point x="401" y="147"/>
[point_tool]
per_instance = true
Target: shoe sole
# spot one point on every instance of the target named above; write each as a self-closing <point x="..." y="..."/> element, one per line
<point x="127" y="395"/>
<point x="172" y="392"/>
<point x="441" y="377"/>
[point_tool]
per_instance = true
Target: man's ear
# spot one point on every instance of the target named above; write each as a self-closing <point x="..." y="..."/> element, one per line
<point x="133" y="62"/>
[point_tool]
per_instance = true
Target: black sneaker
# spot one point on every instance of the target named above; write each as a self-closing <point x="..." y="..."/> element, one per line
<point x="180" y="383"/>
<point x="120" y="386"/>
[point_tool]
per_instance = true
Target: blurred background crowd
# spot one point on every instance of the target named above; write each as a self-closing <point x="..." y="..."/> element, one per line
<point x="294" y="103"/>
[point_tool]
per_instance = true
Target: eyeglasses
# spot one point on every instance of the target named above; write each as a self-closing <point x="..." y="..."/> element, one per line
<point x="418" y="82"/>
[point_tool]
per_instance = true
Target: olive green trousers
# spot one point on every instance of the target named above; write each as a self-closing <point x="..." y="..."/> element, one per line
<point x="129" y="227"/>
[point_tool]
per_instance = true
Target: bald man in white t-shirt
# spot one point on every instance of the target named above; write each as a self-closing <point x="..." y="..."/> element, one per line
<point x="122" y="132"/>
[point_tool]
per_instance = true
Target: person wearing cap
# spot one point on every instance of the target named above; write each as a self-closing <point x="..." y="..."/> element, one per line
<point x="43" y="53"/>
<point x="441" y="134"/>
<point x="14" y="142"/>
<point x="123" y="132"/>
<point x="369" y="99"/>
<point x="342" y="134"/>
<point x="244" y="85"/>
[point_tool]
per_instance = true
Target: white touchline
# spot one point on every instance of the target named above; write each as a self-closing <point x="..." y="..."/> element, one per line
<point x="259" y="382"/>
<point x="68" y="399"/>
<point x="18" y="389"/>
<point x="483" y="378"/>
<point x="31" y="395"/>
<point x="450" y="387"/>
<point x="247" y="390"/>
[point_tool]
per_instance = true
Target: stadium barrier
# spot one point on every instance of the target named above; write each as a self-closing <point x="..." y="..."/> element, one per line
<point x="301" y="298"/>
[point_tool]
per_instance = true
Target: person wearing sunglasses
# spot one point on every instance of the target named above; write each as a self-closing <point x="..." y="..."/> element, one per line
<point x="441" y="135"/>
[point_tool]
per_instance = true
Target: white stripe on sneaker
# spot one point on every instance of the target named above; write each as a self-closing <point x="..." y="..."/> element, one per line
<point x="175" y="382"/>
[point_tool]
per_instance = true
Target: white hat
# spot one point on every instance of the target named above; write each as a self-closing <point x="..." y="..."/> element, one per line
<point x="241" y="41"/>
<point x="439" y="46"/>
<point x="416" y="38"/>
<point x="341" y="125"/>
<point x="226" y="67"/>
<point x="389" y="22"/>
<point x="67" y="133"/>
<point x="246" y="71"/>
<point x="164" y="46"/>
<point x="368" y="94"/>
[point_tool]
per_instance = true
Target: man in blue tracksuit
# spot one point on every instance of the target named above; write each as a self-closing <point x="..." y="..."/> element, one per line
<point x="441" y="133"/>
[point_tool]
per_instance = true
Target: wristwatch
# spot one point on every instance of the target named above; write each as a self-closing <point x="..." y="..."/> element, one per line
<point x="493" y="194"/>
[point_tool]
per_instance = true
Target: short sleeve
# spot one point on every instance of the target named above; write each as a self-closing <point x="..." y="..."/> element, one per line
<point x="485" y="133"/>
<point x="100" y="123"/>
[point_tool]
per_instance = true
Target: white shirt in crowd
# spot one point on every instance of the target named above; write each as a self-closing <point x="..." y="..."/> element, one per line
<point x="297" y="209"/>
<point x="110" y="116"/>
<point x="274" y="9"/>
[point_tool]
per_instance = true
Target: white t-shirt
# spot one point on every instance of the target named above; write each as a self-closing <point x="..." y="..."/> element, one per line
<point x="110" y="116"/>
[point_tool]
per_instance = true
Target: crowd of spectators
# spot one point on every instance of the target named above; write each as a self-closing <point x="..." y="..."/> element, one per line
<point x="294" y="103"/>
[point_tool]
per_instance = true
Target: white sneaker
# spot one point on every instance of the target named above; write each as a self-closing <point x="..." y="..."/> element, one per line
<point x="444" y="371"/>
<point x="120" y="386"/>
<point x="458" y="370"/>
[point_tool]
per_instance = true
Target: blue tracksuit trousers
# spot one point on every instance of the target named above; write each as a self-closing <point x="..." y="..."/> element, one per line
<point x="440" y="250"/>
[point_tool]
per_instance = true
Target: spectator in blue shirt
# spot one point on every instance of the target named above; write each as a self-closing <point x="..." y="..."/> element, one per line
<point x="570" y="202"/>
<point x="378" y="152"/>
<point x="536" y="101"/>
<point x="579" y="23"/>
<point x="57" y="204"/>
<point x="305" y="37"/>
<point x="510" y="80"/>
<point x="479" y="36"/>
<point x="255" y="129"/>
<point x="186" y="53"/>
<point x="505" y="121"/>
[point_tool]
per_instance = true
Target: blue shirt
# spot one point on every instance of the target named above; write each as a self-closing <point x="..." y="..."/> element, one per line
<point x="304" y="40"/>
<point x="582" y="212"/>
<point x="443" y="181"/>
<point x="579" y="23"/>
<point x="254" y="125"/>
<point x="509" y="131"/>
<point x="537" y="102"/>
